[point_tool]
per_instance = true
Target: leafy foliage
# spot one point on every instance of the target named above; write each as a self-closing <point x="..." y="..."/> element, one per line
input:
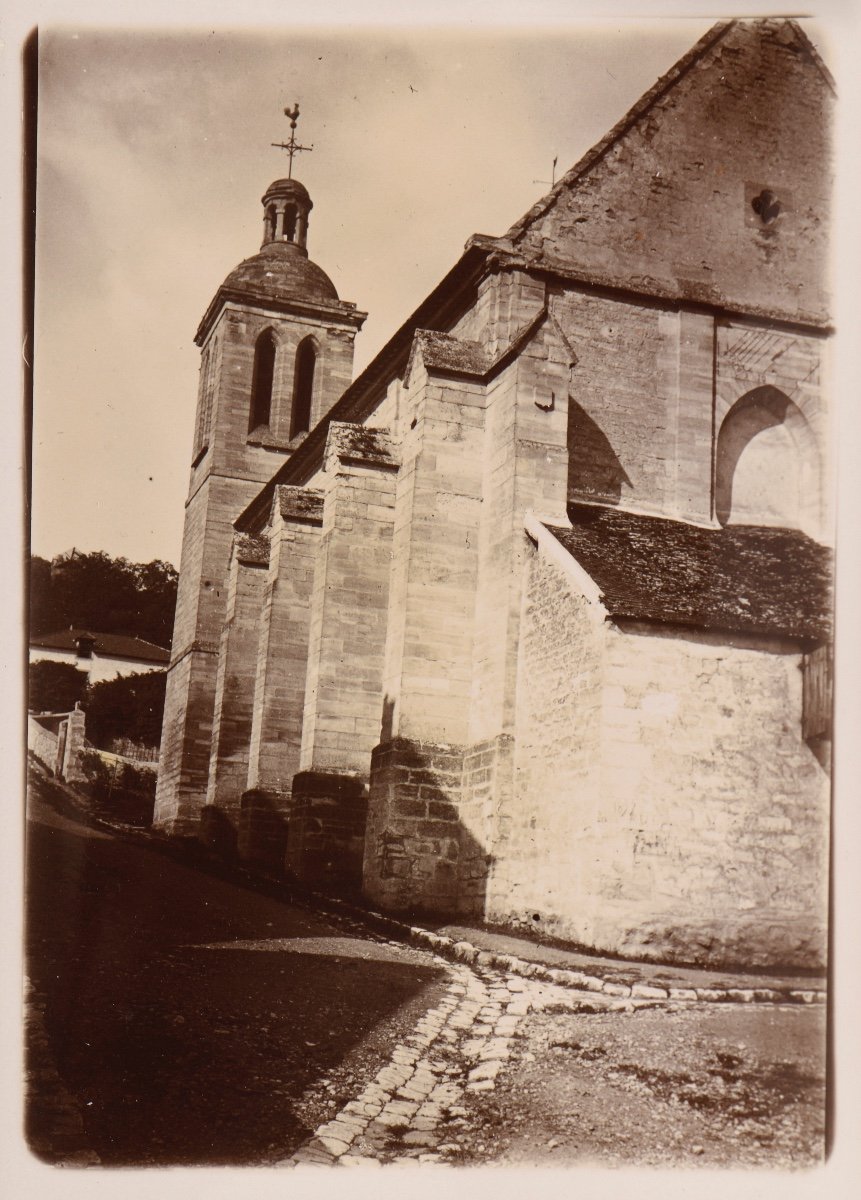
<point x="54" y="686"/>
<point x="131" y="706"/>
<point x="103" y="595"/>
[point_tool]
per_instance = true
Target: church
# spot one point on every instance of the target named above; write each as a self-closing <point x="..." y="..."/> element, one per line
<point x="530" y="621"/>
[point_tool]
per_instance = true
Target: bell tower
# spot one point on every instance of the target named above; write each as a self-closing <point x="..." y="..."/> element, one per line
<point x="276" y="353"/>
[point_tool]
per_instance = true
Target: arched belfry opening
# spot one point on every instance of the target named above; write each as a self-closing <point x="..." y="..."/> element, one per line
<point x="286" y="209"/>
<point x="303" y="387"/>
<point x="262" y="380"/>
<point x="269" y="224"/>
<point x="767" y="469"/>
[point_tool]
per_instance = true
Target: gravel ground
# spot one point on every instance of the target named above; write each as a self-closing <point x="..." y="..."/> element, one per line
<point x="709" y="1085"/>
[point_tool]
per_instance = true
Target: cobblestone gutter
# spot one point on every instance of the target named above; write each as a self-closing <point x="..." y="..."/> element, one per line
<point x="465" y="952"/>
<point x="412" y="1109"/>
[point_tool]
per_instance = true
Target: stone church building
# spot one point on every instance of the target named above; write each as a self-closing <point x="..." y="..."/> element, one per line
<point x="529" y="622"/>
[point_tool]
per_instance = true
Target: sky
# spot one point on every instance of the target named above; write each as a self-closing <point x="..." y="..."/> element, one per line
<point x="153" y="153"/>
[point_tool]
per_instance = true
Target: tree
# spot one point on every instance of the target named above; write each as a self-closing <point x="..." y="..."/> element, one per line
<point x="55" y="686"/>
<point x="131" y="706"/>
<point x="103" y="595"/>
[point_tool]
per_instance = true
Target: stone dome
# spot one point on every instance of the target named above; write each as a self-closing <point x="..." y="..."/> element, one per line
<point x="282" y="270"/>
<point x="288" y="187"/>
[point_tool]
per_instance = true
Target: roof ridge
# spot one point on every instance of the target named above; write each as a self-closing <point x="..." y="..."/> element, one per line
<point x="74" y="631"/>
<point x="592" y="156"/>
<point x="814" y="54"/>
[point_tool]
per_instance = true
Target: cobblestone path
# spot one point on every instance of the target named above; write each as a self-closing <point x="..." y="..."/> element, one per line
<point x="412" y="1109"/>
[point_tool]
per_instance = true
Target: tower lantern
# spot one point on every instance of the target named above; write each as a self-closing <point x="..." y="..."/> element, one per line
<point x="286" y="206"/>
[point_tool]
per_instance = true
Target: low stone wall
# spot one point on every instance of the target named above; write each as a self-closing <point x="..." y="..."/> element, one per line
<point x="56" y="740"/>
<point x="111" y="758"/>
<point x="42" y="742"/>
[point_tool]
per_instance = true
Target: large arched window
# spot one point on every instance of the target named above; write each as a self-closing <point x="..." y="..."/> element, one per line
<point x="767" y="464"/>
<point x="261" y="381"/>
<point x="303" y="387"/>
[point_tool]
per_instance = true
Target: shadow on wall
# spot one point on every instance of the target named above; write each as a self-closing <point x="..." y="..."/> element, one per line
<point x="387" y="723"/>
<point x="767" y="463"/>
<point x="415" y="841"/>
<point x="428" y="827"/>
<point x="263" y="828"/>
<point x="594" y="469"/>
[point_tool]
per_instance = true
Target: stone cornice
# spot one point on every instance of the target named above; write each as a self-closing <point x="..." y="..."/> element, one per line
<point x="345" y="314"/>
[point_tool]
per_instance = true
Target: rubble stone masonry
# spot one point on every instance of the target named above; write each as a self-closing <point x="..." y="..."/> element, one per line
<point x="661" y="778"/>
<point x="667" y="208"/>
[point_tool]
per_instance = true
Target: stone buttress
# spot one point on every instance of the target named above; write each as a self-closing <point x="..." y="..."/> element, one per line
<point x="347" y="632"/>
<point x="235" y="679"/>
<point x="281" y="660"/>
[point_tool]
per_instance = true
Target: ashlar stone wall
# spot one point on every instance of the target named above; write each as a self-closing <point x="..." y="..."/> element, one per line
<point x="235" y="680"/>
<point x="293" y="532"/>
<point x="640" y="430"/>
<point x="230" y="465"/>
<point x="346" y="651"/>
<point x="349" y="606"/>
<point x="417" y="849"/>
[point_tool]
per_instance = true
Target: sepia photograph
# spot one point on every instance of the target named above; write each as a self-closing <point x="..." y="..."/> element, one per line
<point x="430" y="586"/>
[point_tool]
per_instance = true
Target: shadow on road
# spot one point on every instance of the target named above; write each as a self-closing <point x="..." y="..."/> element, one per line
<point x="182" y="1013"/>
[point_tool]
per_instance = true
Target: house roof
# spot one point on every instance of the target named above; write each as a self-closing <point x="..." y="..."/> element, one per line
<point x="107" y="645"/>
<point x="747" y="579"/>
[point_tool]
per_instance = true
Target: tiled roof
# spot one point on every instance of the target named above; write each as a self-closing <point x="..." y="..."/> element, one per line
<point x="745" y="578"/>
<point x="107" y="645"/>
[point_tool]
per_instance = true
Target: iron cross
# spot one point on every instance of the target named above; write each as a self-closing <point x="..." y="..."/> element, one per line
<point x="292" y="147"/>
